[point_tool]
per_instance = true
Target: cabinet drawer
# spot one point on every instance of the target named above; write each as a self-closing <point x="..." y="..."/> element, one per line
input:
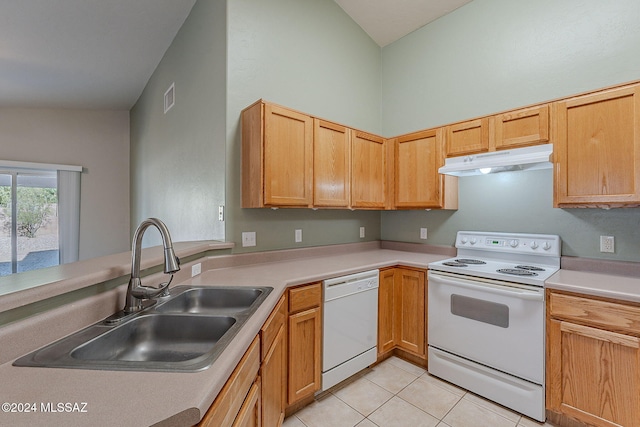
<point x="606" y="314"/>
<point x="225" y="408"/>
<point x="272" y="326"/>
<point x="305" y="297"/>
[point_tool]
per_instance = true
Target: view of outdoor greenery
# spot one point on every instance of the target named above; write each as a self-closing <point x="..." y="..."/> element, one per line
<point x="37" y="228"/>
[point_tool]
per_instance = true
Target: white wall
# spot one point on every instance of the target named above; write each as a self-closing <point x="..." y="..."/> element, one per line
<point x="178" y="158"/>
<point x="494" y="55"/>
<point x="96" y="140"/>
<point x="310" y="56"/>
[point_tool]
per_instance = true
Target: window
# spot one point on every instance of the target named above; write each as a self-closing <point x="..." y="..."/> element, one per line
<point x="39" y="216"/>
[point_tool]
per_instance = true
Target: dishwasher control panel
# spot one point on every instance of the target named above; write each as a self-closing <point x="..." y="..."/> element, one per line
<point x="346" y="285"/>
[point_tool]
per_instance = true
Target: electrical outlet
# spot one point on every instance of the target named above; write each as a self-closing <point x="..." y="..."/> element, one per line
<point x="196" y="269"/>
<point x="362" y="232"/>
<point x="248" y="238"/>
<point x="423" y="233"/>
<point x="298" y="235"/>
<point x="607" y="244"/>
<point x="221" y="213"/>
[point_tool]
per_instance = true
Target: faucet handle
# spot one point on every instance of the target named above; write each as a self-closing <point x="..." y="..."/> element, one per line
<point x="147" y="292"/>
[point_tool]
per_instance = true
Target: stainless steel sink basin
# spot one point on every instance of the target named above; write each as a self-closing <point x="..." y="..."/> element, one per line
<point x="212" y="300"/>
<point x="187" y="332"/>
<point x="157" y="338"/>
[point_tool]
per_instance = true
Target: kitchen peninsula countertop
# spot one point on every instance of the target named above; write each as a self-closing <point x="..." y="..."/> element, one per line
<point x="160" y="398"/>
<point x="181" y="399"/>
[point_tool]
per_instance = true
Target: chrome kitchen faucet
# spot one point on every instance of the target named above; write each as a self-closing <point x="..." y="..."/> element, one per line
<point x="136" y="293"/>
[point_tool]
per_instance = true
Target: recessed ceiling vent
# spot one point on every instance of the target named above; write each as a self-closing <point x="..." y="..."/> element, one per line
<point x="170" y="97"/>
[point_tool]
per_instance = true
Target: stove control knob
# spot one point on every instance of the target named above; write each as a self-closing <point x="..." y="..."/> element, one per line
<point x="534" y="245"/>
<point x="464" y="240"/>
<point x="473" y="241"/>
<point x="546" y="246"/>
<point x="513" y="243"/>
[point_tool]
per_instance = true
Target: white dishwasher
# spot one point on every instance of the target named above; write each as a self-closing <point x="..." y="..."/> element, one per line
<point x="350" y="326"/>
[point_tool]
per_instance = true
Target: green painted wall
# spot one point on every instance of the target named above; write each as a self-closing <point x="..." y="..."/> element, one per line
<point x="307" y="55"/>
<point x="494" y="55"/>
<point x="178" y="158"/>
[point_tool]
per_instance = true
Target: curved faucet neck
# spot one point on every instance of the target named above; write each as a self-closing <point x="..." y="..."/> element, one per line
<point x="136" y="246"/>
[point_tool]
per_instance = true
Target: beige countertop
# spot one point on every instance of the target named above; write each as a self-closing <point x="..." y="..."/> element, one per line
<point x="147" y="398"/>
<point x="181" y="399"/>
<point x="597" y="284"/>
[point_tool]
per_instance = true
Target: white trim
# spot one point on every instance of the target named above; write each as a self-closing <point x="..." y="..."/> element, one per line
<point x="170" y="98"/>
<point x="11" y="164"/>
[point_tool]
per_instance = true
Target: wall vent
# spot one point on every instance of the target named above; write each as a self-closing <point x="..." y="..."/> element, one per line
<point x="170" y="97"/>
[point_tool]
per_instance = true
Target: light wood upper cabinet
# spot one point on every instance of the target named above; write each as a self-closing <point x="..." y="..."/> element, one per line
<point x="368" y="171"/>
<point x="593" y="361"/>
<point x="467" y="137"/>
<point x="417" y="182"/>
<point x="520" y="128"/>
<point x="277" y="157"/>
<point x="597" y="149"/>
<point x="331" y="164"/>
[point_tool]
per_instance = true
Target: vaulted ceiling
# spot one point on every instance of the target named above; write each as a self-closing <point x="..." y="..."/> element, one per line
<point x="99" y="54"/>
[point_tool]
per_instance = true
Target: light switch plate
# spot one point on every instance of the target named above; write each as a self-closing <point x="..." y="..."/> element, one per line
<point x="423" y="233"/>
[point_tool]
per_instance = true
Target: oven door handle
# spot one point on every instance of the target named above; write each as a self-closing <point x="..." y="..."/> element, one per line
<point x="488" y="287"/>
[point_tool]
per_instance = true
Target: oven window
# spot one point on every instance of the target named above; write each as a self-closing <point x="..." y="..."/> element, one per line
<point x="480" y="310"/>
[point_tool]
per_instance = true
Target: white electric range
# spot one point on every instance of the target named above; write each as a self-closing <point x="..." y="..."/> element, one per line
<point x="486" y="309"/>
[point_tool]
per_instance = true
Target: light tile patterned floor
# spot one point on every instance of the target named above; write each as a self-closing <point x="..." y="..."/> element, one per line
<point x="397" y="393"/>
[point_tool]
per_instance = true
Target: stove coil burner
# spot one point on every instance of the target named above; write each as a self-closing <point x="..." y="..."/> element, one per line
<point x="517" y="272"/>
<point x="454" y="264"/>
<point x="470" y="261"/>
<point x="529" y="268"/>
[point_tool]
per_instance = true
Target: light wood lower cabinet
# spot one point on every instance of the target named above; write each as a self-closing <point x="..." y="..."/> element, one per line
<point x="593" y="361"/>
<point x="386" y="318"/>
<point x="274" y="366"/>
<point x="305" y="342"/>
<point x="229" y="403"/>
<point x="402" y="313"/>
<point x="250" y="414"/>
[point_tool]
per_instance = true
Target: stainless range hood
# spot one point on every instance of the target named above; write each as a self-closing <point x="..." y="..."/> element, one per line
<point x="527" y="158"/>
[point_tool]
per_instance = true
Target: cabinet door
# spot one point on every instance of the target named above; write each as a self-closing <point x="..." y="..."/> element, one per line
<point x="250" y="412"/>
<point x="274" y="364"/>
<point x="368" y="171"/>
<point x="274" y="382"/>
<point x="593" y="375"/>
<point x="231" y="398"/>
<point x="417" y="159"/>
<point x="410" y="308"/>
<point x="597" y="148"/>
<point x="386" y="316"/>
<point x="468" y="137"/>
<point x="520" y="128"/>
<point x="305" y="345"/>
<point x="288" y="157"/>
<point x="331" y="164"/>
